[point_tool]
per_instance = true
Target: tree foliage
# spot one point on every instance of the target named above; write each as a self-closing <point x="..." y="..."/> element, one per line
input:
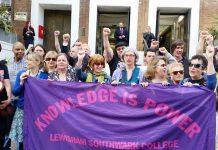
<point x="213" y="29"/>
<point x="5" y="20"/>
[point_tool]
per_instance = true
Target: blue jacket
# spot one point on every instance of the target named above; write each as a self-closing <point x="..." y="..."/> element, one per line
<point x="18" y="89"/>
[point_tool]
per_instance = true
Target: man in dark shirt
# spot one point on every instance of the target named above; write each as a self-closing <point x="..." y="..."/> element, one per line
<point x="112" y="57"/>
<point x="148" y="36"/>
<point x="178" y="53"/>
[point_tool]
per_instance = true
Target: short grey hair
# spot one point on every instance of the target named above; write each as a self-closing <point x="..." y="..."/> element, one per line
<point x="130" y="49"/>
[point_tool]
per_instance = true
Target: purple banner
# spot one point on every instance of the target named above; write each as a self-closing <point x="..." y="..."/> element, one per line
<point x="89" y="116"/>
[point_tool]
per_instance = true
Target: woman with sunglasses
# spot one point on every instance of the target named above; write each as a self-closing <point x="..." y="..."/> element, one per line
<point x="51" y="61"/>
<point x="130" y="73"/>
<point x="34" y="62"/>
<point x="156" y="72"/>
<point x="97" y="75"/>
<point x="176" y="71"/>
<point x="201" y="70"/>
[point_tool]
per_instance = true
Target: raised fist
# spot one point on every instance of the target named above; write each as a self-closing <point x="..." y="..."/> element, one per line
<point x="203" y="34"/>
<point x="106" y="31"/>
<point x="56" y="33"/>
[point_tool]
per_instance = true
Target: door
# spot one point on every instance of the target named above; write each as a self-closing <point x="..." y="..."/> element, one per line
<point x="110" y="17"/>
<point x="55" y="20"/>
<point x="172" y="26"/>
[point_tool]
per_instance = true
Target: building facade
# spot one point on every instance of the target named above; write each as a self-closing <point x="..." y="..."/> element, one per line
<point x="84" y="20"/>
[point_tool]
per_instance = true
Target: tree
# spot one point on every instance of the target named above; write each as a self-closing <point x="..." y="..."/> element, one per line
<point x="5" y="20"/>
<point x="213" y="29"/>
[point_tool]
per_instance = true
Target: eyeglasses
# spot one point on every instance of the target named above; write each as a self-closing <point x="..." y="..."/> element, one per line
<point x="162" y="65"/>
<point x="17" y="49"/>
<point x="49" y="59"/>
<point x="176" y="72"/>
<point x="98" y="64"/>
<point x="130" y="55"/>
<point x="195" y="65"/>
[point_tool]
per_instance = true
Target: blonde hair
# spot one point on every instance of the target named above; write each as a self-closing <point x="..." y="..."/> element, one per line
<point x="175" y="64"/>
<point x="51" y="53"/>
<point x="150" y="73"/>
<point x="66" y="35"/>
<point x="35" y="56"/>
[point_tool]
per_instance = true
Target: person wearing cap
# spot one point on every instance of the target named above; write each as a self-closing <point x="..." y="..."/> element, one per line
<point x="130" y="73"/>
<point x="113" y="58"/>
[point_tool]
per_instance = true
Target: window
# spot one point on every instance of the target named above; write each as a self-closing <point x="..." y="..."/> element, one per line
<point x="6" y="3"/>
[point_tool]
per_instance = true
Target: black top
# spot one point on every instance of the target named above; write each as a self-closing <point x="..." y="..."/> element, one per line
<point x="85" y="62"/>
<point x="201" y="81"/>
<point x="3" y="72"/>
<point x="148" y="38"/>
<point x="113" y="64"/>
<point x="3" y="75"/>
<point x="28" y="36"/>
<point x="185" y="63"/>
<point x="65" y="49"/>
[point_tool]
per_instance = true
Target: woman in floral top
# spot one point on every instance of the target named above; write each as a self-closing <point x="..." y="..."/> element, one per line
<point x="63" y="72"/>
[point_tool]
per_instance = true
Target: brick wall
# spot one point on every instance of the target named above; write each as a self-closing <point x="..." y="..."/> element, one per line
<point x="84" y="20"/>
<point x="208" y="10"/>
<point x="142" y="21"/>
<point x="21" y="6"/>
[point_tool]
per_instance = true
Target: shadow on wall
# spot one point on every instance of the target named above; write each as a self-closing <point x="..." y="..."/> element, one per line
<point x="7" y="37"/>
<point x="6" y="52"/>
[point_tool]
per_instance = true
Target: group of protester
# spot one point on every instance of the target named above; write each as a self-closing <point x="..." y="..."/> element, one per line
<point x="114" y="67"/>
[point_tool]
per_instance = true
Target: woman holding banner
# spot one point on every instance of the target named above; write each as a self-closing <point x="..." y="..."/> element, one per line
<point x="34" y="62"/>
<point x="51" y="61"/>
<point x="176" y="71"/>
<point x="97" y="64"/>
<point x="130" y="73"/>
<point x="156" y="72"/>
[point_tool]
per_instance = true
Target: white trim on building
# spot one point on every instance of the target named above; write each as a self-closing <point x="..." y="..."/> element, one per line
<point x="37" y="14"/>
<point x="193" y="5"/>
<point x="94" y="4"/>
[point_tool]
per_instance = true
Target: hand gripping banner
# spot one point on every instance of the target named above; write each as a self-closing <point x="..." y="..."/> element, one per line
<point x="89" y="116"/>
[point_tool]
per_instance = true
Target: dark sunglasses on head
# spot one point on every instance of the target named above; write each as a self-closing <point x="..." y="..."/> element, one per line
<point x="48" y="59"/>
<point x="176" y="72"/>
<point x="195" y="65"/>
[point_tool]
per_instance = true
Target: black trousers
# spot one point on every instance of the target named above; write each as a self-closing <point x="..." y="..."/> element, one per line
<point x="5" y="127"/>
